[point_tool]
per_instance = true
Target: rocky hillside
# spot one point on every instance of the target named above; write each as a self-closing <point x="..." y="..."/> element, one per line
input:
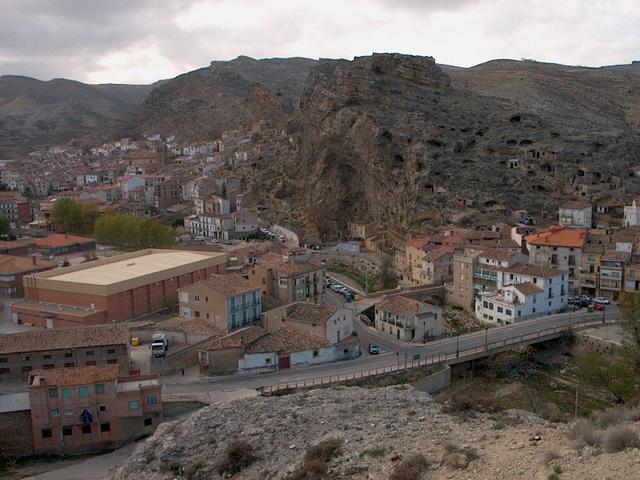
<point x="398" y="140"/>
<point x="394" y="433"/>
<point x="199" y="105"/>
<point x="36" y="114"/>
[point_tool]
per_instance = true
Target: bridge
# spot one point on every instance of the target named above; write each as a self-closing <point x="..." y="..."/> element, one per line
<point x="474" y="346"/>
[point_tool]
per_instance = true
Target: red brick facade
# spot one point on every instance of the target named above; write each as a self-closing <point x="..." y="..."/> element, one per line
<point x="118" y="307"/>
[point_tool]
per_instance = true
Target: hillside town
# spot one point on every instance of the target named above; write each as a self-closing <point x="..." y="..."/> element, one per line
<point x="93" y="332"/>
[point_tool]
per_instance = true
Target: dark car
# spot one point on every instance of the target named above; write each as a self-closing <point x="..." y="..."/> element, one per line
<point x="374" y="349"/>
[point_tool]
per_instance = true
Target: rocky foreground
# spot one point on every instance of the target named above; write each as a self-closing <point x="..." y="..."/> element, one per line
<point x="367" y="434"/>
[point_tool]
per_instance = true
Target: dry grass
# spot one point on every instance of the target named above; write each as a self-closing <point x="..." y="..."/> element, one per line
<point x="411" y="468"/>
<point x="619" y="437"/>
<point x="458" y="457"/>
<point x="549" y="456"/>
<point x="616" y="416"/>
<point x="584" y="432"/>
<point x="464" y="402"/>
<point x="316" y="460"/>
<point x="237" y="456"/>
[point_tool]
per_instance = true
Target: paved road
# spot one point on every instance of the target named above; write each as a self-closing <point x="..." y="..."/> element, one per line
<point x="223" y="387"/>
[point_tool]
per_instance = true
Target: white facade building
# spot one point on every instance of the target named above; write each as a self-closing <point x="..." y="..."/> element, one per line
<point x="632" y="215"/>
<point x="216" y="227"/>
<point x="575" y="215"/>
<point x="524" y="292"/>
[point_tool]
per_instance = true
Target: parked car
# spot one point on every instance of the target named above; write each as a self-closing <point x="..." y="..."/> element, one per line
<point x="597" y="306"/>
<point x="602" y="300"/>
<point x="573" y="300"/>
<point x="335" y="287"/>
<point x="374" y="349"/>
<point x="585" y="298"/>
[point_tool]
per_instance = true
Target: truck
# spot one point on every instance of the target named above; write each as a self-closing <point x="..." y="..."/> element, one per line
<point x="159" y="345"/>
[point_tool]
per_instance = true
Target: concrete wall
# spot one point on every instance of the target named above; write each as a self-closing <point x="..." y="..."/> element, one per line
<point x="435" y="382"/>
<point x="325" y="355"/>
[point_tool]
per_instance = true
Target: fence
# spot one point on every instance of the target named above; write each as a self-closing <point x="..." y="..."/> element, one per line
<point x="453" y="357"/>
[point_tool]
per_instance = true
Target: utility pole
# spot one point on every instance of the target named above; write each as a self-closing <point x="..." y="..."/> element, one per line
<point x="486" y="339"/>
<point x="457" y="345"/>
<point x="575" y="412"/>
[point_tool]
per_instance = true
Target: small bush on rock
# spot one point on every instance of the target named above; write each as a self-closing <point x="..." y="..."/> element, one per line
<point x="237" y="456"/>
<point x="584" y="433"/>
<point x="410" y="468"/>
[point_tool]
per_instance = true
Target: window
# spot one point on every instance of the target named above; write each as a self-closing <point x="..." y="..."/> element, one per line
<point x="46" y="357"/>
<point x="99" y="387"/>
<point x="69" y="365"/>
<point x="83" y="391"/>
<point x="55" y="412"/>
<point x="68" y="355"/>
<point x="46" y="433"/>
<point x="196" y="298"/>
<point x="89" y="353"/>
<point x="67" y="431"/>
<point x="134" y="404"/>
<point x="105" y="427"/>
<point x="111" y="361"/>
<point x="66" y="393"/>
<point x="267" y="361"/>
<point x="500" y="310"/>
<point x="508" y="312"/>
<point x="53" y="392"/>
<point x="26" y="358"/>
<point x="3" y="360"/>
<point x="111" y="351"/>
<point x="90" y="362"/>
<point x="148" y="422"/>
<point x="48" y="366"/>
<point x="152" y="400"/>
<point x="86" y="429"/>
<point x="68" y="412"/>
<point x="102" y="408"/>
<point x="316" y="353"/>
<point x="197" y="314"/>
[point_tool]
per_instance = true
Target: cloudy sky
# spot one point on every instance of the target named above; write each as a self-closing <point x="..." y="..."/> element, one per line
<point x="140" y="41"/>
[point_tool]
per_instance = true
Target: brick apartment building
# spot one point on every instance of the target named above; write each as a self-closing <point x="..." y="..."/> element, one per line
<point x="15" y="207"/>
<point x="21" y="353"/>
<point x="12" y="269"/>
<point x="227" y="302"/>
<point x="288" y="278"/>
<point x="91" y="408"/>
<point x="113" y="289"/>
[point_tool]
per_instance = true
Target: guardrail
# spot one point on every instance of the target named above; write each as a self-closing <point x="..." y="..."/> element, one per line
<point x="452" y="357"/>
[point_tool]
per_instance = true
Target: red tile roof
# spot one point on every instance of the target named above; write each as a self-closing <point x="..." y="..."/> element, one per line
<point x="528" y="288"/>
<point x="557" y="236"/>
<point x="10" y="264"/>
<point x="62" y="377"/>
<point x="399" y="305"/>
<point x="57" y="240"/>
<point x="286" y="340"/>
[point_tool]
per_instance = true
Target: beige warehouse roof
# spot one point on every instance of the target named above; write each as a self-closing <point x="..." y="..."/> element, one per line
<point x="122" y="272"/>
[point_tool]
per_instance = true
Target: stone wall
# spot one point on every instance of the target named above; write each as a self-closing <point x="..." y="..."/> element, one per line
<point x="16" y="436"/>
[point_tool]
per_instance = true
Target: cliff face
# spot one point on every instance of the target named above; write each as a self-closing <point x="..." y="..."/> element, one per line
<point x="394" y="139"/>
<point x="199" y="105"/>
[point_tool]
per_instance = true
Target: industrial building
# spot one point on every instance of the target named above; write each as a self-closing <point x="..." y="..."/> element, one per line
<point x="113" y="289"/>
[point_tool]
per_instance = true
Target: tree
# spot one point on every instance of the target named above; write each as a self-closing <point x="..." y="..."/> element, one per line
<point x="67" y="216"/>
<point x="387" y="276"/>
<point x="132" y="232"/>
<point x="619" y="375"/>
<point x="5" y="225"/>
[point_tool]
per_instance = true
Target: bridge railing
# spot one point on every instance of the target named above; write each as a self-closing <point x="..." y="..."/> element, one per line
<point x="457" y="356"/>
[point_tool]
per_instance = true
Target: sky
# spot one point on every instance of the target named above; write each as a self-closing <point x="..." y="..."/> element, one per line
<point x="141" y="41"/>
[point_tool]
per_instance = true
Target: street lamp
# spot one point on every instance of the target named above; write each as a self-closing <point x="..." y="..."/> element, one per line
<point x="424" y="331"/>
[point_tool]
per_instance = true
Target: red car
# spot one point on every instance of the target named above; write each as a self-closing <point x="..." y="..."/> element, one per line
<point x="597" y="306"/>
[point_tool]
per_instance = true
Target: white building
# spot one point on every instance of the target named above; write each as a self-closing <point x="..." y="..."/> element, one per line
<point x="216" y="227"/>
<point x="575" y="214"/>
<point x="524" y="292"/>
<point x="632" y="214"/>
<point x="408" y="320"/>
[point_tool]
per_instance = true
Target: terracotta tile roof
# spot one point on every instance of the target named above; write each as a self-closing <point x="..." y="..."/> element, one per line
<point x="230" y="284"/>
<point x="286" y="339"/>
<point x="310" y="312"/>
<point x="10" y="264"/>
<point x="419" y="242"/>
<point x="559" y="237"/>
<point x="615" y="256"/>
<point x="575" y="205"/>
<point x="434" y="255"/>
<point x="57" y="240"/>
<point x="533" y="270"/>
<point x="284" y="267"/>
<point x="54" y="339"/>
<point x="10" y="245"/>
<point x="528" y="288"/>
<point x="235" y="339"/>
<point x="399" y="305"/>
<point x="62" y="377"/>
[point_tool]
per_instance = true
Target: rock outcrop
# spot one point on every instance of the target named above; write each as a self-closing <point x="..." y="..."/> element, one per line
<point x="376" y="430"/>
